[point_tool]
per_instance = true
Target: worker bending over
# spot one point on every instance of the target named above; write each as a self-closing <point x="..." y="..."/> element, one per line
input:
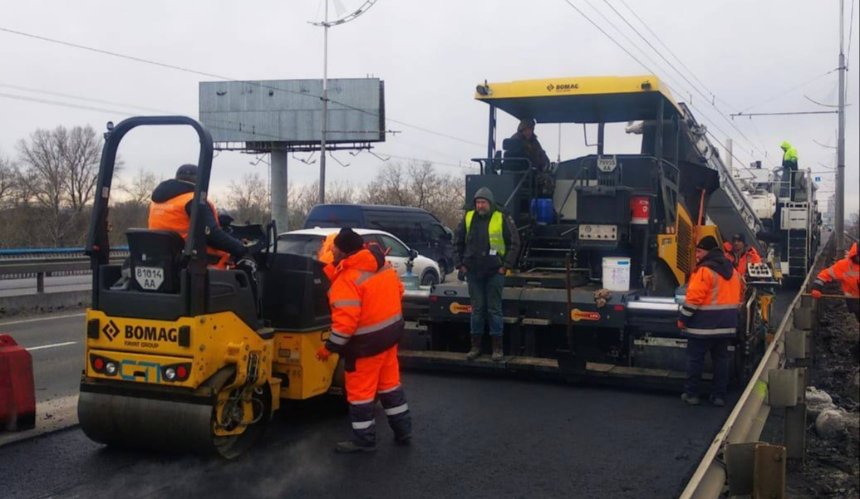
<point x="709" y="319"/>
<point x="847" y="273"/>
<point x="367" y="323"/>
<point x="170" y="209"/>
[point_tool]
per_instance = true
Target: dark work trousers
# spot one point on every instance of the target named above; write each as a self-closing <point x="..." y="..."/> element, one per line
<point x="696" y="349"/>
<point x="485" y="293"/>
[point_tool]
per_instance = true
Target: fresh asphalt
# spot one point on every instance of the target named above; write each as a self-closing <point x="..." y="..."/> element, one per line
<point x="473" y="437"/>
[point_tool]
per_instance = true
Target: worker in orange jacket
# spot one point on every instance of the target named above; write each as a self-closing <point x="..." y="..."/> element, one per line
<point x="740" y="254"/>
<point x="709" y="319"/>
<point x="170" y="209"/>
<point x="367" y="323"/>
<point x="847" y="273"/>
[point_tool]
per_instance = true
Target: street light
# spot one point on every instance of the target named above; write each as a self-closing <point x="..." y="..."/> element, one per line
<point x="326" y="24"/>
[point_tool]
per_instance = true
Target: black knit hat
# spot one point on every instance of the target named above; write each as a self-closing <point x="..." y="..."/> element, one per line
<point x="348" y="241"/>
<point x="187" y="173"/>
<point x="708" y="243"/>
<point x="739" y="237"/>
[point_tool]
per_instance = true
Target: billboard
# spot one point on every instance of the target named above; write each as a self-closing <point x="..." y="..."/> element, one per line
<point x="289" y="112"/>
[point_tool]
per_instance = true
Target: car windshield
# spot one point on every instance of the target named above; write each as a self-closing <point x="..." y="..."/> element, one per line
<point x="300" y="244"/>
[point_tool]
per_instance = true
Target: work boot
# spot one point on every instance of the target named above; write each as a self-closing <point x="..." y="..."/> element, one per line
<point x="349" y="447"/>
<point x="690" y="399"/>
<point x="717" y="401"/>
<point x="404" y="439"/>
<point x="475" y="352"/>
<point x="498" y="355"/>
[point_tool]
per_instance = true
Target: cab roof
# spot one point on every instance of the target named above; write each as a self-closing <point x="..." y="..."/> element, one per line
<point x="587" y="99"/>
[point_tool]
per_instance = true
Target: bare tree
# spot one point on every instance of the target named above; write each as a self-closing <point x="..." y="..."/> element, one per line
<point x="81" y="152"/>
<point x="8" y="182"/>
<point x="140" y="187"/>
<point x="418" y="185"/>
<point x="59" y="176"/>
<point x="249" y="199"/>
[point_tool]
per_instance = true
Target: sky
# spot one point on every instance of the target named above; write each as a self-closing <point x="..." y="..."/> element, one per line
<point x="727" y="57"/>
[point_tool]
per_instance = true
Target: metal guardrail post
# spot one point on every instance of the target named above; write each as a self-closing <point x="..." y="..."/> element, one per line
<point x="40" y="282"/>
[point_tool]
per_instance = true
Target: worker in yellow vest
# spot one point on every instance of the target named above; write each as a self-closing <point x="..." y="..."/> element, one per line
<point x="487" y="244"/>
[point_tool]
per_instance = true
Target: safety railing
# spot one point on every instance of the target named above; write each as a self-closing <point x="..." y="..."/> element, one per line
<point x="27" y="263"/>
<point x="736" y="459"/>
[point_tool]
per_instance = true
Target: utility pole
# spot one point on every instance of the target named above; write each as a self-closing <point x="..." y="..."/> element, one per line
<point x="325" y="106"/>
<point x="326" y="24"/>
<point x="839" y="224"/>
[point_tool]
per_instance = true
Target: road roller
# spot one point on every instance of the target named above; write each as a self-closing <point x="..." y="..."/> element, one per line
<point x="183" y="356"/>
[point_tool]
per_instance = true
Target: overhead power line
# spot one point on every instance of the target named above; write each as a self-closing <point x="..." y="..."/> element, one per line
<point x="647" y="68"/>
<point x="710" y="99"/>
<point x="222" y="77"/>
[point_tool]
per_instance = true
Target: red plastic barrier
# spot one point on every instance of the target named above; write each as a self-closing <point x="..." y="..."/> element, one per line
<point x="17" y="391"/>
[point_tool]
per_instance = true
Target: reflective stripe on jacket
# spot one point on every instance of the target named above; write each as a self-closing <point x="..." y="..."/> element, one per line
<point x="846" y="272"/>
<point x="171" y="215"/>
<point x="710" y="309"/>
<point x="496" y="229"/>
<point x="366" y="313"/>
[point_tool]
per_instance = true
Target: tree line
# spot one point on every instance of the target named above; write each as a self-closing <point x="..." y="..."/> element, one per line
<point x="47" y="191"/>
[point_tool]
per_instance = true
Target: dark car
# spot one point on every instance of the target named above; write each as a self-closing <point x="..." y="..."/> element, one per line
<point x="416" y="227"/>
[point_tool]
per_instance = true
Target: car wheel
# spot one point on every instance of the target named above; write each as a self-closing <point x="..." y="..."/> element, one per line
<point x="430" y="278"/>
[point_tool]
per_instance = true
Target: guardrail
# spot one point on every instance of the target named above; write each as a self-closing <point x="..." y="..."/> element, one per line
<point x="41" y="262"/>
<point x="736" y="458"/>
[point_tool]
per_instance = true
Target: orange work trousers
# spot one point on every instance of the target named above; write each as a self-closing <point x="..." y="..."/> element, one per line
<point x="372" y="375"/>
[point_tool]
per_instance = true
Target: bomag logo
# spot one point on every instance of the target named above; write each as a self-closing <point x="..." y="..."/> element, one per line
<point x="562" y="87"/>
<point x="151" y="333"/>
<point x="110" y="330"/>
<point x="457" y="308"/>
<point x="584" y="315"/>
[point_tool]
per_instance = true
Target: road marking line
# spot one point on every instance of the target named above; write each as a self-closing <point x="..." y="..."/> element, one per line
<point x="41" y="319"/>
<point x="67" y="343"/>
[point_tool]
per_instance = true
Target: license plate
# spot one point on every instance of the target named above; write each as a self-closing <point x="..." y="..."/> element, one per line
<point x="149" y="278"/>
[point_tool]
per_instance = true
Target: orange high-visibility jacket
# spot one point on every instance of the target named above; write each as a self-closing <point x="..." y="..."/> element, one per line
<point x="365" y="300"/>
<point x="326" y="253"/>
<point x="845" y="271"/>
<point x="710" y="309"/>
<point x="749" y="256"/>
<point x="171" y="215"/>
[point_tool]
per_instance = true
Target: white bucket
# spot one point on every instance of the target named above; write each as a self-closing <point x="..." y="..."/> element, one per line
<point x="616" y="273"/>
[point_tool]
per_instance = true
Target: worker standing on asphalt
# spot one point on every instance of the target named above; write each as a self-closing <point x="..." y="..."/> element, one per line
<point x="367" y="323"/>
<point x="171" y="210"/>
<point x="741" y="254"/>
<point x="847" y="273"/>
<point x="487" y="244"/>
<point x="709" y="319"/>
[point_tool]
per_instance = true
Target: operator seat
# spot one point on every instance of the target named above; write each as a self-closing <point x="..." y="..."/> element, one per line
<point x="155" y="258"/>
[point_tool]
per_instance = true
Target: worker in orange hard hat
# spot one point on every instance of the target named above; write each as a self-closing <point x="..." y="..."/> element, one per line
<point x="367" y="323"/>
<point x="847" y="273"/>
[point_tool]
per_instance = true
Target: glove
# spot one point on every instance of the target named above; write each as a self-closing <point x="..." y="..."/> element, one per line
<point x="323" y="353"/>
<point x="816" y="294"/>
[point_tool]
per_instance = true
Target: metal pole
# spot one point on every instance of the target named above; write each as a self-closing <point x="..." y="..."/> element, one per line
<point x="840" y="145"/>
<point x="325" y="106"/>
<point x="278" y="188"/>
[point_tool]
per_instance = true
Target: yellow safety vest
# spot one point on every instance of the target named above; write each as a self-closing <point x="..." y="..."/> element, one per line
<point x="496" y="228"/>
